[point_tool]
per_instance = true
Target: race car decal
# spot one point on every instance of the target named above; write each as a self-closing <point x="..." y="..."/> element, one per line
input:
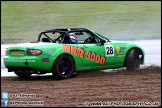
<point x="45" y="59"/>
<point x="17" y="60"/>
<point x="117" y="48"/>
<point x="83" y="68"/>
<point x="80" y="52"/>
<point x="96" y="58"/>
<point x="49" y="52"/>
<point x="73" y="50"/>
<point x="109" y="49"/>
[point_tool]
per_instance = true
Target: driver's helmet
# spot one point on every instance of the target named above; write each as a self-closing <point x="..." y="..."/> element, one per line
<point x="73" y="38"/>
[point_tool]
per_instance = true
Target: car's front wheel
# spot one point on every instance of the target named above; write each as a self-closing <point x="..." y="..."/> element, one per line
<point x="63" y="67"/>
<point x="132" y="61"/>
<point x="22" y="75"/>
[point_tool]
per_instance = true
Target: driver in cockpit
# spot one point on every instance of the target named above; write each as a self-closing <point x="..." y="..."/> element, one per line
<point x="73" y="38"/>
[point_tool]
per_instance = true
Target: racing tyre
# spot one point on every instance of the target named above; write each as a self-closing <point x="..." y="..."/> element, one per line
<point x="132" y="60"/>
<point x="63" y="67"/>
<point x="22" y="75"/>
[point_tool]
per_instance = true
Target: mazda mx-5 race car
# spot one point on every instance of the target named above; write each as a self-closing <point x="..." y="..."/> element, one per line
<point x="55" y="52"/>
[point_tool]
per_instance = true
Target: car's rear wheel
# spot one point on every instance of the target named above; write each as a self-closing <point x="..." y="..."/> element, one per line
<point x="63" y="67"/>
<point x="22" y="75"/>
<point x="132" y="60"/>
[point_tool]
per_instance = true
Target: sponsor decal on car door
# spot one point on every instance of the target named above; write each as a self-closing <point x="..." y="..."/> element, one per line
<point x="97" y="55"/>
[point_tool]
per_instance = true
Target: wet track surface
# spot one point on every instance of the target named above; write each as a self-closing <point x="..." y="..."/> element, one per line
<point x="152" y="50"/>
<point x="142" y="86"/>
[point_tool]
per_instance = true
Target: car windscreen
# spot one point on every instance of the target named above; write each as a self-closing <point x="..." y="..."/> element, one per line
<point x="104" y="38"/>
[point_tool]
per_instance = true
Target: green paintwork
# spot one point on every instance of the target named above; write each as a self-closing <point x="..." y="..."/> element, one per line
<point x="53" y="50"/>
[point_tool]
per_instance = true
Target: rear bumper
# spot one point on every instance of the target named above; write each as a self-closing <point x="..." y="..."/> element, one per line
<point x="22" y="69"/>
<point x="19" y="68"/>
<point x="25" y="64"/>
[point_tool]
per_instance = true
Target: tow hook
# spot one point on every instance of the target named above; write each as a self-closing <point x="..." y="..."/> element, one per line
<point x="26" y="62"/>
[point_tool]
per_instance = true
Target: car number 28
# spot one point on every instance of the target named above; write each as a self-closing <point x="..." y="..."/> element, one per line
<point x="109" y="50"/>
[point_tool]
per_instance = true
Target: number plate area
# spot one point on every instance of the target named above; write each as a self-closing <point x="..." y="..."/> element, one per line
<point x="17" y="52"/>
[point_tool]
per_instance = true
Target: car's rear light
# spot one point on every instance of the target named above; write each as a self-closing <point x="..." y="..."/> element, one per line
<point x="6" y="52"/>
<point x="34" y="52"/>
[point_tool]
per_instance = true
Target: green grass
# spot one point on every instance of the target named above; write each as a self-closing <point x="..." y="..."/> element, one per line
<point x="21" y="21"/>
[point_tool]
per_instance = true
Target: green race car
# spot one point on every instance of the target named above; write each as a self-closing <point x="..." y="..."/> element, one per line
<point x="63" y="52"/>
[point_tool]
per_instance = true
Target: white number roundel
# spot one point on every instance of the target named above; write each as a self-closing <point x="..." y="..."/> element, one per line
<point x="109" y="50"/>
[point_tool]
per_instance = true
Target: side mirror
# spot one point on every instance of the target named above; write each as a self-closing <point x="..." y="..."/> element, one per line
<point x="101" y="42"/>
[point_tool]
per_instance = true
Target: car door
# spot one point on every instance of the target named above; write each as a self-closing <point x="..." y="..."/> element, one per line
<point x="95" y="54"/>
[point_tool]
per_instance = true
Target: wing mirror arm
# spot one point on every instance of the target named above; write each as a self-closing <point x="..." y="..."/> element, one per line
<point x="101" y="42"/>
